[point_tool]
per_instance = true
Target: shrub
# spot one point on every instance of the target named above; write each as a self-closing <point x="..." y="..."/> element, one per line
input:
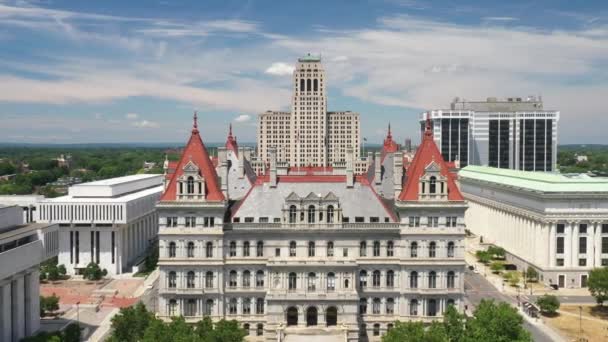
<point x="497" y="266"/>
<point x="531" y="274"/>
<point x="548" y="304"/>
<point x="48" y="304"/>
<point x="93" y="272"/>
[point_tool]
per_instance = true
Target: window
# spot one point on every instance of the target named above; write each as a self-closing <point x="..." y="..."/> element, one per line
<point x="559" y="262"/>
<point x="232" y="279"/>
<point x="249" y="219"/>
<point x="582" y="228"/>
<point x="190" y="307"/>
<point x="605" y="228"/>
<point x="432" y="280"/>
<point x="292" y="214"/>
<point x="390" y="279"/>
<point x="190" y="221"/>
<point x="414" y="221"/>
<point x="232" y="249"/>
<point x="330" y="249"/>
<point x="450" y="221"/>
<point x="363" y="249"/>
<point x="414" y="249"/>
<point x="450" y="249"/>
<point x="362" y="279"/>
<point x="376" y="249"/>
<point x="390" y="249"/>
<point x="432" y="249"/>
<point x="172" y="283"/>
<point x="259" y="331"/>
<point x="209" y="250"/>
<point x="292" y="281"/>
<point x="172" y="307"/>
<point x="582" y="262"/>
<point x="376" y="306"/>
<point x="345" y="252"/>
<point x="363" y="306"/>
<point x="376" y="279"/>
<point x="311" y="249"/>
<point x="451" y="280"/>
<point x="390" y="306"/>
<point x="389" y="327"/>
<point x="190" y="249"/>
<point x="330" y="214"/>
<point x="376" y="329"/>
<point x="433" y="221"/>
<point x="246" y="247"/>
<point x="259" y="306"/>
<point x="560" y="228"/>
<point x="311" y="214"/>
<point x="172" y="249"/>
<point x="559" y="248"/>
<point x="331" y="281"/>
<point x="414" y="307"/>
<point x="312" y="280"/>
<point x="292" y="249"/>
<point x="246" y="306"/>
<point x="260" y="249"/>
<point x="359" y="219"/>
<point x="190" y="280"/>
<point x="172" y="221"/>
<point x="582" y="245"/>
<point x="414" y="280"/>
<point x="277" y="252"/>
<point x="246" y="279"/>
<point x="432" y="184"/>
<point x="604" y="245"/>
<point x="209" y="279"/>
<point x="232" y="306"/>
<point x="259" y="279"/>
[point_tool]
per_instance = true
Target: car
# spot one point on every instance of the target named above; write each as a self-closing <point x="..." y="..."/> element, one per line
<point x="471" y="267"/>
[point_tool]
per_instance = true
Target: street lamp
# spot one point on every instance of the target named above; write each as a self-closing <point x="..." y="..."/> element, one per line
<point x="580" y="321"/>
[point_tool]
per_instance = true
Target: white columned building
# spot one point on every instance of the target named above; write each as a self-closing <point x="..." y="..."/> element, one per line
<point x="110" y="222"/>
<point x="22" y="248"/>
<point x="557" y="224"/>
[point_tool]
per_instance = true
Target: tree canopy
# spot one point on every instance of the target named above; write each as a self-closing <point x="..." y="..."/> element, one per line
<point x="598" y="284"/>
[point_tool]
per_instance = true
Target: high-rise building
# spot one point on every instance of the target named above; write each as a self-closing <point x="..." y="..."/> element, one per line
<point x="514" y="133"/>
<point x="309" y="135"/>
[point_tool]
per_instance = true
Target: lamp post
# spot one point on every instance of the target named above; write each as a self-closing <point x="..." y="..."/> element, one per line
<point x="580" y="321"/>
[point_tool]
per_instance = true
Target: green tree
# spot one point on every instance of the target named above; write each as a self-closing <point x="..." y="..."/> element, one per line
<point x="131" y="323"/>
<point x="52" y="273"/>
<point x="71" y="333"/>
<point x="227" y="331"/>
<point x="48" y="304"/>
<point x="61" y="269"/>
<point x="93" y="272"/>
<point x="454" y="323"/>
<point x="548" y="304"/>
<point x="531" y="274"/>
<point x="483" y="257"/>
<point x="204" y="329"/>
<point x="436" y="333"/>
<point x="513" y="278"/>
<point x="405" y="332"/>
<point x="598" y="284"/>
<point x="6" y="168"/>
<point x="497" y="252"/>
<point x="496" y="323"/>
<point x="497" y="266"/>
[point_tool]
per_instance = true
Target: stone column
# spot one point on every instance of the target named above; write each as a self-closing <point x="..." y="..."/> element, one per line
<point x="18" y="309"/>
<point x="568" y="244"/>
<point x="6" y="325"/>
<point x="597" y="242"/>
<point x="552" y="238"/>
<point x="32" y="302"/>
<point x="574" y="240"/>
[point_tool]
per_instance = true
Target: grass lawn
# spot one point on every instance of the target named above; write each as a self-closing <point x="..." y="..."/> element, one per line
<point x="594" y="322"/>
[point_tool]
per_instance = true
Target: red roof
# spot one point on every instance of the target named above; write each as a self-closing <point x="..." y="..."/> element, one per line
<point x="231" y="141"/>
<point x="390" y="146"/>
<point x="196" y="152"/>
<point x="426" y="153"/>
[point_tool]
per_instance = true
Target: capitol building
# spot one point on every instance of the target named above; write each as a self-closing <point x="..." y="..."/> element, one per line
<point x="317" y="251"/>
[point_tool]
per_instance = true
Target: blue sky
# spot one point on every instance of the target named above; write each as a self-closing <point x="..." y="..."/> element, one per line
<point x="134" y="71"/>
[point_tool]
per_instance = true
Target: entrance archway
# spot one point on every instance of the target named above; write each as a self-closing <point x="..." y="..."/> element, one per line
<point x="331" y="316"/>
<point x="311" y="316"/>
<point x="292" y="316"/>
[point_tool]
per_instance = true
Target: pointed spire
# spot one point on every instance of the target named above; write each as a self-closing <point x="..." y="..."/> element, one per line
<point x="231" y="140"/>
<point x="230" y="130"/>
<point x="427" y="129"/>
<point x="389" y="144"/>
<point x="195" y="123"/>
<point x="390" y="135"/>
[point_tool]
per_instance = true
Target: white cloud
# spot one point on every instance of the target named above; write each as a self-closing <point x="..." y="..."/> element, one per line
<point x="340" y="59"/>
<point x="242" y="118"/>
<point x="146" y="124"/>
<point x="280" y="69"/>
<point x="131" y="116"/>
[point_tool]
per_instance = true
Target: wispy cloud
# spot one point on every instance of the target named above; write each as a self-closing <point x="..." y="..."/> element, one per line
<point x="280" y="69"/>
<point x="146" y="124"/>
<point x="242" y="118"/>
<point x="131" y="116"/>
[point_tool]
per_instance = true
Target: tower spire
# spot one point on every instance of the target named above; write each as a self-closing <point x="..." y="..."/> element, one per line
<point x="195" y="123"/>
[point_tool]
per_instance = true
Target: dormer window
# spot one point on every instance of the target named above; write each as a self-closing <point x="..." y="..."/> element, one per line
<point x="191" y="185"/>
<point x="433" y="184"/>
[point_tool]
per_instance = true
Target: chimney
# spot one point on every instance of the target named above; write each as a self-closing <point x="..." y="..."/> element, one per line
<point x="378" y="168"/>
<point x="241" y="159"/>
<point x="350" y="172"/>
<point x="272" y="151"/>
<point x="222" y="157"/>
<point x="398" y="172"/>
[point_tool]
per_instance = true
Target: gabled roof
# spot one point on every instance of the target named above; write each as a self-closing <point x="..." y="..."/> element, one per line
<point x="195" y="152"/>
<point x="426" y="154"/>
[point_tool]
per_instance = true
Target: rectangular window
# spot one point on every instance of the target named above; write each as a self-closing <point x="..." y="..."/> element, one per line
<point x="604" y="228"/>
<point x="92" y="245"/>
<point x="559" y="248"/>
<point x="359" y="219"/>
<point x="172" y="221"/>
<point x="113" y="246"/>
<point x="374" y="219"/>
<point x="582" y="245"/>
<point x="277" y="252"/>
<point x="582" y="262"/>
<point x="582" y="228"/>
<point x="97" y="249"/>
<point x="604" y="244"/>
<point x="433" y="221"/>
<point x="71" y="247"/>
<point x="604" y="262"/>
<point x="559" y="262"/>
<point x="560" y="228"/>
<point x="190" y="221"/>
<point x="248" y="219"/>
<point x="345" y="252"/>
<point x="77" y="248"/>
<point x="263" y="220"/>
<point x="212" y="222"/>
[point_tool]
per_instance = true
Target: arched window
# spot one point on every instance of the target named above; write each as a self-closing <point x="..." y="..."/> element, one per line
<point x="432" y="307"/>
<point x="432" y="184"/>
<point x="246" y="327"/>
<point x="246" y="279"/>
<point x="259" y="279"/>
<point x="312" y="281"/>
<point x="376" y="279"/>
<point x="311" y="214"/>
<point x="363" y="306"/>
<point x="209" y="279"/>
<point x="390" y="249"/>
<point x="232" y="279"/>
<point x="190" y="280"/>
<point x="414" y="249"/>
<point x="376" y="249"/>
<point x="208" y="307"/>
<point x="190" y="249"/>
<point x="293" y="281"/>
<point x="390" y="306"/>
<point x="190" y="186"/>
<point x="246" y="306"/>
<point x="414" y="280"/>
<point x="259" y="306"/>
<point x="172" y="283"/>
<point x="376" y="306"/>
<point x="331" y="281"/>
<point x="292" y="214"/>
<point x="389" y="327"/>
<point x="330" y="249"/>
<point x="432" y="280"/>
<point x="311" y="249"/>
<point x="232" y="249"/>
<point x="315" y="84"/>
<point x="232" y="306"/>
<point x="432" y="249"/>
<point x="450" y="249"/>
<point x="376" y="329"/>
<point x="363" y="249"/>
<point x="190" y="308"/>
<point x="390" y="279"/>
<point x="172" y="249"/>
<point x="308" y="85"/>
<point x="246" y="248"/>
<point x="292" y="249"/>
<point x="346" y="283"/>
<point x="260" y="249"/>
<point x="259" y="331"/>
<point x="302" y="86"/>
<point x="414" y="307"/>
<point x="172" y="307"/>
<point x="363" y="279"/>
<point x="292" y="316"/>
<point x="330" y="214"/>
<point x="331" y="316"/>
<point x="209" y="250"/>
<point x="451" y="280"/>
